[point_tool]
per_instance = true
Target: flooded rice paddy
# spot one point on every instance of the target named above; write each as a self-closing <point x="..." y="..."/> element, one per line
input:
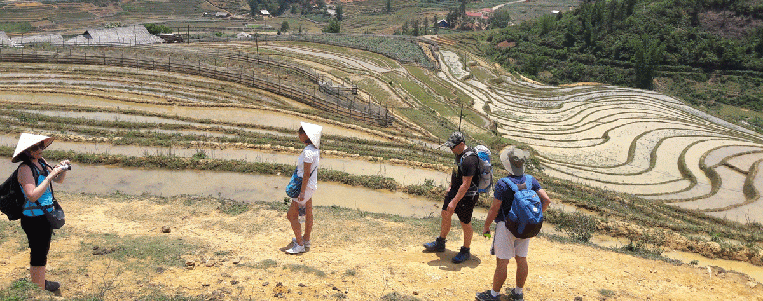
<point x="237" y="115"/>
<point x="234" y="186"/>
<point x="402" y="174"/>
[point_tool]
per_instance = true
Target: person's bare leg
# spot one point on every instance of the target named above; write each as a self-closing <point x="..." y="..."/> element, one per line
<point x="499" y="277"/>
<point x="293" y="216"/>
<point x="468" y="234"/>
<point x="38" y="275"/>
<point x="308" y="219"/>
<point x="445" y="223"/>
<point x="522" y="271"/>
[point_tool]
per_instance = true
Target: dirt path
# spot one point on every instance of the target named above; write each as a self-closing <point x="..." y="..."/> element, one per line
<point x="355" y="256"/>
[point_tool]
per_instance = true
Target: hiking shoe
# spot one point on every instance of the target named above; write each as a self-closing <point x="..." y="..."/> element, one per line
<point x="52" y="286"/>
<point x="306" y="243"/>
<point x="516" y="297"/>
<point x="436" y="246"/>
<point x="462" y="255"/>
<point x="487" y="296"/>
<point x="296" y="249"/>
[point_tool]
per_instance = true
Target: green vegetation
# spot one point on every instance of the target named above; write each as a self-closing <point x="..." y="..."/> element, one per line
<point x="398" y="48"/>
<point x="16" y="27"/>
<point x="161" y="250"/>
<point x="334" y="26"/>
<point x="157" y="28"/>
<point x="702" y="51"/>
<point x="305" y="269"/>
<point x="20" y="290"/>
<point x="578" y="226"/>
<point x="266" y="264"/>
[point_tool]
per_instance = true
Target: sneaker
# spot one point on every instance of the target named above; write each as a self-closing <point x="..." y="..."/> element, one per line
<point x="487" y="296"/>
<point x="436" y="246"/>
<point x="296" y="249"/>
<point x="462" y="255"/>
<point x="306" y="243"/>
<point x="52" y="286"/>
<point x="516" y="297"/>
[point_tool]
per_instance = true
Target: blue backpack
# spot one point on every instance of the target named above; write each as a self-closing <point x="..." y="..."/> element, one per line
<point x="525" y="218"/>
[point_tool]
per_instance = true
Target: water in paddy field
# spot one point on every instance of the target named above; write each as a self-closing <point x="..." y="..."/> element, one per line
<point x="237" y="115"/>
<point x="234" y="186"/>
<point x="402" y="174"/>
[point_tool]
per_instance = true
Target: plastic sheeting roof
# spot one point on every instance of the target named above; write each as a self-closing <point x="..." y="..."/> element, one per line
<point x="118" y="36"/>
<point x="55" y="39"/>
<point x="4" y="40"/>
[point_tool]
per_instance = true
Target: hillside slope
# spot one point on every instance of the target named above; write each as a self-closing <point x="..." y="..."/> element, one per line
<point x="113" y="248"/>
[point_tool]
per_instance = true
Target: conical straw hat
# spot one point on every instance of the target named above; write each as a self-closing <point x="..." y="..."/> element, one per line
<point x="313" y="132"/>
<point x="26" y="141"/>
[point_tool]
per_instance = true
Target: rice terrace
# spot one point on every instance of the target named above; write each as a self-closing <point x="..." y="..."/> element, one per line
<point x="656" y="184"/>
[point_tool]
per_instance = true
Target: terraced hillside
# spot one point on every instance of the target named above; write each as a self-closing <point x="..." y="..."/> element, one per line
<point x="233" y="107"/>
<point x="625" y="140"/>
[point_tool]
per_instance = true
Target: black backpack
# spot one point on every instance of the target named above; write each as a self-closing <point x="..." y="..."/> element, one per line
<point x="12" y="197"/>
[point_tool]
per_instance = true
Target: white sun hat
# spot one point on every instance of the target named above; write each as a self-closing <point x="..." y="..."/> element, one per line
<point x="26" y="141"/>
<point x="313" y="132"/>
<point x="514" y="160"/>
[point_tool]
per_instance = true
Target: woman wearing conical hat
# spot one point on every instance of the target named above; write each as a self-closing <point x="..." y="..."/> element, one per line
<point x="37" y="193"/>
<point x="307" y="168"/>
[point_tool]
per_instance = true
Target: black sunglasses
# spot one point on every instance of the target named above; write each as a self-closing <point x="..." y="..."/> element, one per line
<point x="38" y="146"/>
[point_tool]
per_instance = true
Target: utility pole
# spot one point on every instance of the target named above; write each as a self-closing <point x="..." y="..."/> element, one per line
<point x="460" y="115"/>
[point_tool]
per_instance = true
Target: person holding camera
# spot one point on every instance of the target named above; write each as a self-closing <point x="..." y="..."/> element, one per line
<point x="35" y="177"/>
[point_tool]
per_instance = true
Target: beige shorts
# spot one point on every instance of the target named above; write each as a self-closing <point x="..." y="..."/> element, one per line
<point x="507" y="246"/>
<point x="308" y="195"/>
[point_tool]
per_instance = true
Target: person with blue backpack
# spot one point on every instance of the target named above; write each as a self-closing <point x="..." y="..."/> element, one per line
<point x="517" y="209"/>
<point x="461" y="198"/>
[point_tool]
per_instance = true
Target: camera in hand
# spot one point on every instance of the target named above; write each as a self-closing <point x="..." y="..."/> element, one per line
<point x="66" y="167"/>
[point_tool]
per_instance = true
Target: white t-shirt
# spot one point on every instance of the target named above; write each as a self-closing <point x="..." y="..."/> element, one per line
<point x="309" y="155"/>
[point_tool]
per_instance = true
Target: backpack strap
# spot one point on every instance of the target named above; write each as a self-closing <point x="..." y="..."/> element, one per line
<point x="36" y="176"/>
<point x="471" y="185"/>
<point x="513" y="186"/>
<point x="528" y="181"/>
<point x="46" y="165"/>
<point x="466" y="154"/>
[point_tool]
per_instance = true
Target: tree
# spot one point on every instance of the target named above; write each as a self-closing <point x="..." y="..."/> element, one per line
<point x="285" y="26"/>
<point x="436" y="25"/>
<point x="339" y="13"/>
<point x="648" y="54"/>
<point x="157" y="28"/>
<point x="500" y="19"/>
<point x="333" y="27"/>
<point x="415" y="30"/>
<point x="253" y="7"/>
<point x="389" y="6"/>
<point x="404" y="29"/>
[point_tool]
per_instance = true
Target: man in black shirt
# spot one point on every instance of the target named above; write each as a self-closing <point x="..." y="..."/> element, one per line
<point x="461" y="197"/>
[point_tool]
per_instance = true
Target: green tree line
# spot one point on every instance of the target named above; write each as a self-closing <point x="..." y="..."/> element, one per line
<point x="702" y="50"/>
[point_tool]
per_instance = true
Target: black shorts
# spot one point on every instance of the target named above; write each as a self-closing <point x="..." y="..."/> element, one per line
<point x="39" y="233"/>
<point x="464" y="208"/>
